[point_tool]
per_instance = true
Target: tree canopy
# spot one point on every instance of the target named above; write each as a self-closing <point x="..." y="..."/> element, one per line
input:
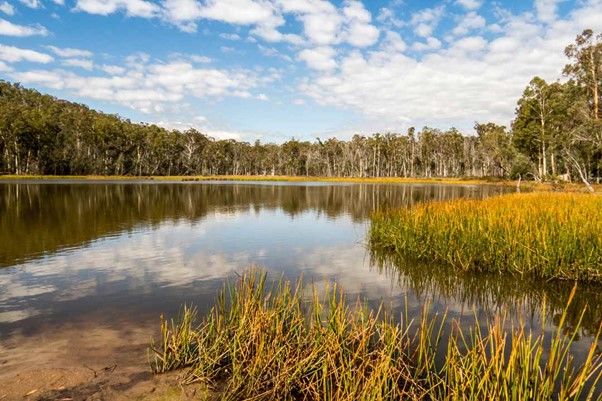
<point x="557" y="130"/>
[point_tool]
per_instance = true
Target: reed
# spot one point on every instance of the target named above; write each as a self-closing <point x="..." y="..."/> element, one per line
<point x="548" y="235"/>
<point x="261" y="343"/>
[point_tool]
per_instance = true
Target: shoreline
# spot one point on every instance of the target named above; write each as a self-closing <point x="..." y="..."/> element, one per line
<point x="278" y="178"/>
<point x="529" y="185"/>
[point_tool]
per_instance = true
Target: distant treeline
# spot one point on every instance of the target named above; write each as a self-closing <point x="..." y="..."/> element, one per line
<point x="556" y="131"/>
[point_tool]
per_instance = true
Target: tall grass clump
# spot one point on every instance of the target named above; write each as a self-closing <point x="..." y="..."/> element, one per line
<point x="260" y="343"/>
<point x="548" y="235"/>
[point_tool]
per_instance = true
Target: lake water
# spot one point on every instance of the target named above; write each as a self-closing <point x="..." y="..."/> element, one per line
<point x="86" y="268"/>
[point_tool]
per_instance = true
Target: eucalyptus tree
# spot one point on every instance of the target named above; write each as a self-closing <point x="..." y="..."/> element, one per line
<point x="557" y="128"/>
<point x="43" y="135"/>
<point x="537" y="124"/>
<point x="586" y="67"/>
<point x="585" y="70"/>
<point x="494" y="149"/>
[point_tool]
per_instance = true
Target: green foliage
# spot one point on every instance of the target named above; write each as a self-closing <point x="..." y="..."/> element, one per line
<point x="557" y="127"/>
<point x="43" y="135"/>
<point x="265" y="343"/>
<point x="522" y="167"/>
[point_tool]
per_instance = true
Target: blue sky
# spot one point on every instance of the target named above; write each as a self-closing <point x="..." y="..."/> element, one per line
<point x="274" y="69"/>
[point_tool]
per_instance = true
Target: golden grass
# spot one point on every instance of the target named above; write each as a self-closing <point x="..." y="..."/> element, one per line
<point x="548" y="235"/>
<point x="260" y="343"/>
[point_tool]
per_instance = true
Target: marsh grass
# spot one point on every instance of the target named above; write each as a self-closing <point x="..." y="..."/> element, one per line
<point x="260" y="343"/>
<point x="548" y="235"/>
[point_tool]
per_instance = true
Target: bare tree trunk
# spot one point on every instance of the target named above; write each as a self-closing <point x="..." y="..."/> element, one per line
<point x="594" y="83"/>
<point x="581" y="170"/>
<point x="545" y="158"/>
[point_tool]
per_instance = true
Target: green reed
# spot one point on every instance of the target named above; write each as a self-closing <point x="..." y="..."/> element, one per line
<point x="549" y="235"/>
<point x="260" y="343"/>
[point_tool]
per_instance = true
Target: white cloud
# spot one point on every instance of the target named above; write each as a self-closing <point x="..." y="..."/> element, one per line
<point x="200" y="59"/>
<point x="86" y="64"/>
<point x="7" y="8"/>
<point x="270" y="33"/>
<point x="387" y="17"/>
<point x="431" y="43"/>
<point x="9" y="29"/>
<point x="69" y="52"/>
<point x="319" y="58"/>
<point x="229" y="36"/>
<point x="469" y="4"/>
<point x="262" y="96"/>
<point x="142" y="85"/>
<point x="224" y="134"/>
<point x="360" y="31"/>
<point x="195" y="58"/>
<point x="201" y="124"/>
<point x="326" y="25"/>
<point x="322" y="27"/>
<point x="425" y="21"/>
<point x="393" y="42"/>
<point x="546" y="9"/>
<point x="323" y="23"/>
<point x="134" y="8"/>
<point x="11" y="54"/>
<point x="424" y="30"/>
<point x="469" y="22"/>
<point x="239" y="12"/>
<point x="470" y="44"/>
<point x="5" y="67"/>
<point x="473" y="78"/>
<point x="272" y="52"/>
<point x="31" y="3"/>
<point x="112" y="69"/>
<point x="469" y="67"/>
<point x="260" y="14"/>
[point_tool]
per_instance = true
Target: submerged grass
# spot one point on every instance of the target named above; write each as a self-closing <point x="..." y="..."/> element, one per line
<point x="260" y="343"/>
<point x="548" y="235"/>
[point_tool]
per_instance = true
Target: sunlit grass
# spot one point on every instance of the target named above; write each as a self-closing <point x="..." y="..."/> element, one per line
<point x="548" y="235"/>
<point x="260" y="343"/>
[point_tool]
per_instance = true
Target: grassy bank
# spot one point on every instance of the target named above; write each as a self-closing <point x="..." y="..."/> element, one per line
<point x="548" y="235"/>
<point x="263" y="344"/>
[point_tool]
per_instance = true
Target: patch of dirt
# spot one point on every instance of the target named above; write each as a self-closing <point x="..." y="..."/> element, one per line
<point x="80" y="362"/>
<point x="107" y="384"/>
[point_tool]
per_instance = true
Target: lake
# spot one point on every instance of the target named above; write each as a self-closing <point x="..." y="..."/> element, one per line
<point x="87" y="268"/>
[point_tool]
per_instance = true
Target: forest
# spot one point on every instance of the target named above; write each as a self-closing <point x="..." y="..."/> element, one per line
<point x="556" y="134"/>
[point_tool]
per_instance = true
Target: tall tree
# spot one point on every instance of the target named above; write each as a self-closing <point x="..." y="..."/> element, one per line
<point x="586" y="66"/>
<point x="584" y="143"/>
<point x="536" y="126"/>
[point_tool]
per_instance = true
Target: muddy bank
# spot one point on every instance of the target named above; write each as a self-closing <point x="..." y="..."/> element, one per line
<point x="79" y="362"/>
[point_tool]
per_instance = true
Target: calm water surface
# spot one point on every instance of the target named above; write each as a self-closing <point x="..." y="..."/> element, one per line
<point x="117" y="255"/>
